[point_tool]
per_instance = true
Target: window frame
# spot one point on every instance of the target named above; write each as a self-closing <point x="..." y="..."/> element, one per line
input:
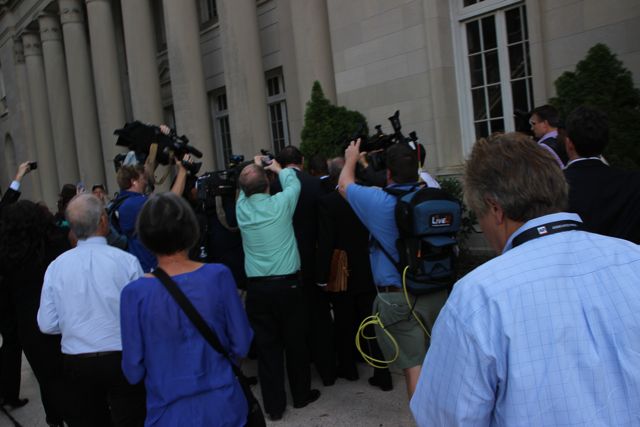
<point x="460" y="16"/>
<point x="218" y="116"/>
<point x="278" y="100"/>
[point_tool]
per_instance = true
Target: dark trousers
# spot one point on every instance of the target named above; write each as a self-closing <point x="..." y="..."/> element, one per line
<point x="11" y="351"/>
<point x="277" y="312"/>
<point x="321" y="339"/>
<point x="99" y="395"/>
<point x="350" y="310"/>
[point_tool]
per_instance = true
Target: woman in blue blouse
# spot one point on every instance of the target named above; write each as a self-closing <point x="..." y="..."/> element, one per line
<point x="188" y="383"/>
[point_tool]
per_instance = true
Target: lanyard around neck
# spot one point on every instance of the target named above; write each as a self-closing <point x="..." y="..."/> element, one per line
<point x="545" y="230"/>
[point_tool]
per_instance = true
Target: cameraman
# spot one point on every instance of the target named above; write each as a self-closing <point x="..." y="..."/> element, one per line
<point x="132" y="181"/>
<point x="376" y="209"/>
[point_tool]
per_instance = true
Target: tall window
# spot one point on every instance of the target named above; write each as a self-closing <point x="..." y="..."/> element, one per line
<point x="277" y="111"/>
<point x="496" y="57"/>
<point x="208" y="12"/>
<point x="223" y="131"/>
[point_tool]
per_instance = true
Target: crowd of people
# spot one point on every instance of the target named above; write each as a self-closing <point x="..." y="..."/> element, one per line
<point x="546" y="333"/>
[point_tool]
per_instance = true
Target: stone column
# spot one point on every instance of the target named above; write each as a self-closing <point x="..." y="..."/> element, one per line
<point x="244" y="76"/>
<point x="188" y="88"/>
<point x="59" y="101"/>
<point x="314" y="61"/>
<point x="41" y="125"/>
<point x="32" y="188"/>
<point x="140" y="44"/>
<point x="106" y="72"/>
<point x="83" y="100"/>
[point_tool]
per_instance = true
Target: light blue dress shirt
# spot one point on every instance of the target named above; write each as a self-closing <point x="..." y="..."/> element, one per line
<point x="547" y="334"/>
<point x="81" y="296"/>
<point x="266" y="225"/>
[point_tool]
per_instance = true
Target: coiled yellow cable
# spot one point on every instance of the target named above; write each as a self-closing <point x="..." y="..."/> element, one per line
<point x="374" y="320"/>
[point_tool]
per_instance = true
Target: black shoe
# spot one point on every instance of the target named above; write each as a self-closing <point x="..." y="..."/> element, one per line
<point x="276" y="416"/>
<point x="384" y="384"/>
<point x="328" y="382"/>
<point x="14" y="403"/>
<point x="349" y="374"/>
<point x="313" y="396"/>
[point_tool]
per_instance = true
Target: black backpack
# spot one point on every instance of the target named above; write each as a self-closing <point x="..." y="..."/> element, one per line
<point x="427" y="220"/>
<point x="116" y="237"/>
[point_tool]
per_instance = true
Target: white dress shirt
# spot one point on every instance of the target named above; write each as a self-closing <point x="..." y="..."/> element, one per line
<point x="81" y="296"/>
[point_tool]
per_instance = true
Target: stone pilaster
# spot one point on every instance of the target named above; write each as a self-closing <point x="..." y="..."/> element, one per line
<point x="83" y="100"/>
<point x="108" y="85"/>
<point x="140" y="44"/>
<point x="58" y="97"/>
<point x="187" y="77"/>
<point x="31" y="187"/>
<point x="310" y="24"/>
<point x="41" y="125"/>
<point x="244" y="76"/>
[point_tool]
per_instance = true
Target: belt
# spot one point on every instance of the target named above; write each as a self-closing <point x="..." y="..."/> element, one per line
<point x="274" y="278"/>
<point x="91" y="355"/>
<point x="389" y="289"/>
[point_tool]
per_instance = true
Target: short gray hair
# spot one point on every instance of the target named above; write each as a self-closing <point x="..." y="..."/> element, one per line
<point x="83" y="213"/>
<point x="253" y="180"/>
<point x="515" y="172"/>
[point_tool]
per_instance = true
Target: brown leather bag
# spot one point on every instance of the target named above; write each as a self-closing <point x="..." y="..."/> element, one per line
<point x="339" y="274"/>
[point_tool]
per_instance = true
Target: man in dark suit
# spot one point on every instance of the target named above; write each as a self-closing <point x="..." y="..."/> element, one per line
<point x="305" y="225"/>
<point x="340" y="228"/>
<point x="544" y="123"/>
<point x="607" y="199"/>
<point x="11" y="351"/>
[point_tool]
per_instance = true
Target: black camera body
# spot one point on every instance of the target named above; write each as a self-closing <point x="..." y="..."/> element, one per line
<point x="223" y="183"/>
<point x="138" y="137"/>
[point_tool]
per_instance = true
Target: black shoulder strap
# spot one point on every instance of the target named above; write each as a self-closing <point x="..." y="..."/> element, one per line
<point x="117" y="202"/>
<point x="197" y="320"/>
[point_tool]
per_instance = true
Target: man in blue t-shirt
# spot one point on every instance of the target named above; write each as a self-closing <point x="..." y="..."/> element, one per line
<point x="132" y="181"/>
<point x="376" y="210"/>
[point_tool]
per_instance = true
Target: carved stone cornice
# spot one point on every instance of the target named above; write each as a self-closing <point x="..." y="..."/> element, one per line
<point x="18" y="51"/>
<point x="32" y="45"/>
<point x="49" y="28"/>
<point x="71" y="11"/>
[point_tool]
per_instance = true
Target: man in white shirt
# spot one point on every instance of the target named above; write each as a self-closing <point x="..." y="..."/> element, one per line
<point x="81" y="300"/>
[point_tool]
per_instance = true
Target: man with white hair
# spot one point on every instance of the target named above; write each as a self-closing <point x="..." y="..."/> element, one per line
<point x="81" y="300"/>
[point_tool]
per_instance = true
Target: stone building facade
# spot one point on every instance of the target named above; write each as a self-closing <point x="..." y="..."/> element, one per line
<point x="235" y="75"/>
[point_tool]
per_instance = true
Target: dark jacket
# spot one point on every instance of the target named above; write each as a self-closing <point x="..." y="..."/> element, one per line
<point x="607" y="199"/>
<point x="340" y="228"/>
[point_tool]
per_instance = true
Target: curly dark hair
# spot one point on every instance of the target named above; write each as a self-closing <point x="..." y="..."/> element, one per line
<point x="26" y="227"/>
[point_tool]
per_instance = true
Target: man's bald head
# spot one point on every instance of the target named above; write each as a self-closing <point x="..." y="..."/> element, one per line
<point x="84" y="213"/>
<point x="253" y="180"/>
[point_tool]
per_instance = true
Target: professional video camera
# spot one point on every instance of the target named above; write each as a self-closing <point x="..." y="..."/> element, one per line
<point x="217" y="184"/>
<point x="139" y="137"/>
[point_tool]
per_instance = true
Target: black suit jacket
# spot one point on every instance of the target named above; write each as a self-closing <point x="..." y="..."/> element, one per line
<point x="11" y="196"/>
<point x="607" y="199"/>
<point x="340" y="228"/>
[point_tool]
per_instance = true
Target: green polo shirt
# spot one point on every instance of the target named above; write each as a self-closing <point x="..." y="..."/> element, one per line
<point x="266" y="226"/>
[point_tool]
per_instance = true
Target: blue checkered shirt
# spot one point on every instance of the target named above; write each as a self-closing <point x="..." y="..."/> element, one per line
<point x="547" y="334"/>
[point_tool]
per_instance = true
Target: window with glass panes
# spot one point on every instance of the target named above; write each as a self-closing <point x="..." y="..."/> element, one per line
<point x="222" y="126"/>
<point x="499" y="68"/>
<point x="277" y="112"/>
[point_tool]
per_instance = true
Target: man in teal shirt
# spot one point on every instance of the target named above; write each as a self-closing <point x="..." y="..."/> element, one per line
<point x="275" y="303"/>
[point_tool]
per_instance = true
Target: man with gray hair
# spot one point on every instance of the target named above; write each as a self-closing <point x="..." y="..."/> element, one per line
<point x="81" y="300"/>
<point x="548" y="332"/>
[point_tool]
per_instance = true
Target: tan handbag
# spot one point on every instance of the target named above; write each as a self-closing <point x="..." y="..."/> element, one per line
<point x="339" y="273"/>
